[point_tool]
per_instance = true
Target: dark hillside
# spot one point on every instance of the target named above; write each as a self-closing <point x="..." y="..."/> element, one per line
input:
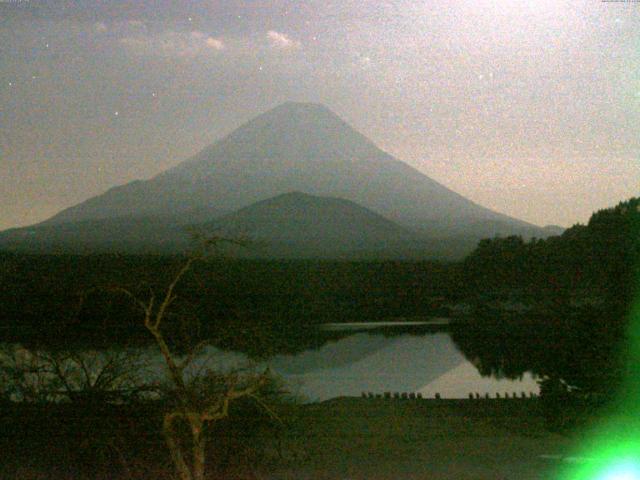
<point x="232" y="300"/>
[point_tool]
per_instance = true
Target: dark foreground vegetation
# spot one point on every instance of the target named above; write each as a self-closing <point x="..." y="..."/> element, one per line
<point x="101" y="440"/>
<point x="343" y="438"/>
<point x="559" y="308"/>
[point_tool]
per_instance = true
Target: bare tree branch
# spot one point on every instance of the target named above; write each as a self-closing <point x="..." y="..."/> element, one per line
<point x="192" y="354"/>
<point x="193" y="410"/>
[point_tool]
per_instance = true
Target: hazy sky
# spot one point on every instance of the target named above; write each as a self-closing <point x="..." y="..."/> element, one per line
<point x="531" y="108"/>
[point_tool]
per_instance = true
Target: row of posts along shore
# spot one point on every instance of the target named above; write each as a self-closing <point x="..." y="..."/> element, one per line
<point x="471" y="396"/>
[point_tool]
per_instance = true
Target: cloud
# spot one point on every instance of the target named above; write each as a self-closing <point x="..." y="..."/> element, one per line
<point x="173" y="44"/>
<point x="282" y="41"/>
<point x="215" y="43"/>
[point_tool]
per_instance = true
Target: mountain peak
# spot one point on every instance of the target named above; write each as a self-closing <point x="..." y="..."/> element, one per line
<point x="292" y="135"/>
<point x="299" y="106"/>
<point x="299" y="114"/>
<point x="293" y="195"/>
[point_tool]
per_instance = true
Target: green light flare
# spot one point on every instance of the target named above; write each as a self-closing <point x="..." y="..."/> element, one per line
<point x="624" y="470"/>
<point x="611" y="450"/>
<point x="616" y="460"/>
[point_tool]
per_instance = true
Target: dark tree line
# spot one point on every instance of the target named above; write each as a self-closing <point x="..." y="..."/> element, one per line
<point x="255" y="306"/>
<point x="600" y="258"/>
<point x="582" y="285"/>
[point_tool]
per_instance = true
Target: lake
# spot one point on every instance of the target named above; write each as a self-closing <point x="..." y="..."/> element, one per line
<point x="370" y="358"/>
<point x="372" y="362"/>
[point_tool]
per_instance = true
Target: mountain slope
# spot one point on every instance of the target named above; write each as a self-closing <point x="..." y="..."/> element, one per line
<point x="291" y="225"/>
<point x="288" y="225"/>
<point x="298" y="147"/>
<point x="297" y="224"/>
<point x="122" y="234"/>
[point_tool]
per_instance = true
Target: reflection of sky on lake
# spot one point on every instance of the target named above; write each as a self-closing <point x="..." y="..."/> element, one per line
<point x="373" y="363"/>
<point x="465" y="379"/>
<point x="362" y="362"/>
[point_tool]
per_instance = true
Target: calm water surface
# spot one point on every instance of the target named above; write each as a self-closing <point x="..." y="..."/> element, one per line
<point x="362" y="360"/>
<point x="367" y="360"/>
<point x="370" y="362"/>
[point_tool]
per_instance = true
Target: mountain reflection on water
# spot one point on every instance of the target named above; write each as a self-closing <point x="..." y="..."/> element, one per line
<point x="372" y="362"/>
<point x="405" y="358"/>
<point x="318" y="364"/>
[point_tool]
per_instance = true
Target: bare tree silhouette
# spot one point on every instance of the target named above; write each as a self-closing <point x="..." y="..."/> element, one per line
<point x="202" y="400"/>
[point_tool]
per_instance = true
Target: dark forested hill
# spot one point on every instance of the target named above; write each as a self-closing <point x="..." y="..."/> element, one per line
<point x="602" y="256"/>
<point x="264" y="305"/>
<point x="300" y="225"/>
<point x="579" y="288"/>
